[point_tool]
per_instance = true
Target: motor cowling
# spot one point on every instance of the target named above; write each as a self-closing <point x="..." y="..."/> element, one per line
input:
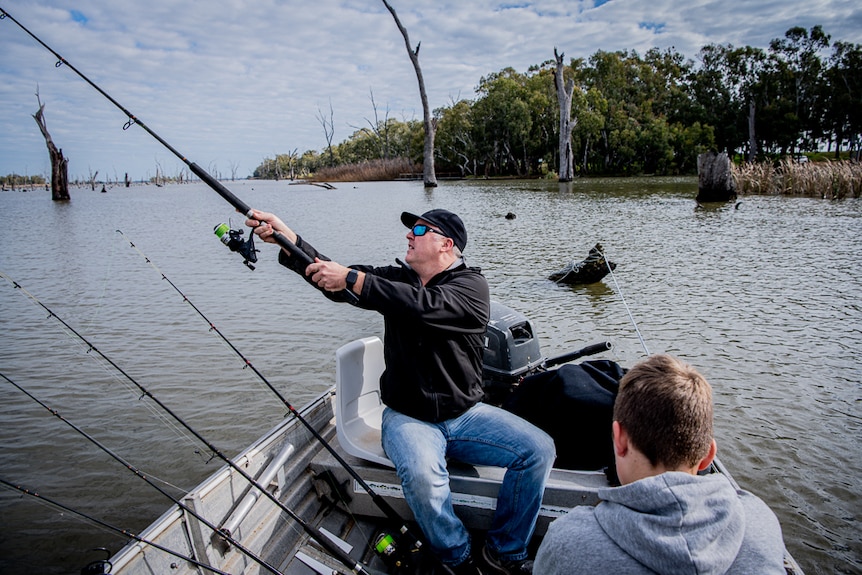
<point x="511" y="351"/>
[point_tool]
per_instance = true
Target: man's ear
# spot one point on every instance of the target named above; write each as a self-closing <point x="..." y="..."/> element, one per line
<point x="707" y="460"/>
<point x="621" y="439"/>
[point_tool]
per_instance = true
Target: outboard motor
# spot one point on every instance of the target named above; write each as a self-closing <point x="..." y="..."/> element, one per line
<point x="573" y="404"/>
<point x="512" y="352"/>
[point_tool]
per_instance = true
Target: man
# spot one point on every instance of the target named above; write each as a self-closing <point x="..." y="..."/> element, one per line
<point x="665" y="518"/>
<point x="435" y="311"/>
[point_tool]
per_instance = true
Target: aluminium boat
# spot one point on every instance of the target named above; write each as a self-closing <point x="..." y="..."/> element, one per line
<point x="334" y="489"/>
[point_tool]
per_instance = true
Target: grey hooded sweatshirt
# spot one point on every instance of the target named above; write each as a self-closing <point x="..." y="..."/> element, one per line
<point x="672" y="523"/>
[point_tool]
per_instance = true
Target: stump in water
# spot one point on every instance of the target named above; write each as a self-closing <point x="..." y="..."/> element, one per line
<point x="714" y="178"/>
<point x="59" y="163"/>
<point x="588" y="271"/>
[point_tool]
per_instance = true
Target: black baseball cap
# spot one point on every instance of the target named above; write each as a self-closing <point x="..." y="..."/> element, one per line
<point x="450" y="224"/>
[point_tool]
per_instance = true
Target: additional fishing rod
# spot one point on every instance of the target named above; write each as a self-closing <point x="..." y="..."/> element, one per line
<point x="381" y="503"/>
<point x="622" y="297"/>
<point x="110" y="527"/>
<point x="149" y="481"/>
<point x="312" y="531"/>
<point x="209" y="180"/>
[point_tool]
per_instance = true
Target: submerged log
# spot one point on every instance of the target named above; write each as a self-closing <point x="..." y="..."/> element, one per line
<point x="588" y="271"/>
<point x="714" y="178"/>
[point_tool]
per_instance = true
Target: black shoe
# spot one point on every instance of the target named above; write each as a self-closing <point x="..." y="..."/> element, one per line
<point x="505" y="566"/>
<point x="466" y="567"/>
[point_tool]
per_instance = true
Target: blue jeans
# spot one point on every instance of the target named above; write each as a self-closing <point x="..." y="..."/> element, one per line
<point x="483" y="435"/>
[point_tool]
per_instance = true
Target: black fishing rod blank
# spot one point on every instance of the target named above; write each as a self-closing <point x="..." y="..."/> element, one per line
<point x="381" y="503"/>
<point x="333" y="549"/>
<point x="205" y="177"/>
<point x="108" y="526"/>
<point x="220" y="533"/>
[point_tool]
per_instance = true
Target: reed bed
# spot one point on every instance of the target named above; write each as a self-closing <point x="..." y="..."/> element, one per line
<point x="376" y="170"/>
<point x="828" y="180"/>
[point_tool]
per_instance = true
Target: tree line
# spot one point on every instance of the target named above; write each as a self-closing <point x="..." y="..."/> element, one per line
<point x="631" y="114"/>
<point x="14" y="180"/>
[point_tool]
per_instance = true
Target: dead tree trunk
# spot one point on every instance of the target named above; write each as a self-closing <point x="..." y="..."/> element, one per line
<point x="567" y="124"/>
<point x="714" y="178"/>
<point x="752" y="140"/>
<point x="429" y="174"/>
<point x="59" y="164"/>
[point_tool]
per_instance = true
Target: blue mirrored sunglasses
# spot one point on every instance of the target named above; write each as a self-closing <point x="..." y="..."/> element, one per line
<point x="422" y="229"/>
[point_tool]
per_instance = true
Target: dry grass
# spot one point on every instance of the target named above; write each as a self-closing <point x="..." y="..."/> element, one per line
<point x="829" y="180"/>
<point x="377" y="170"/>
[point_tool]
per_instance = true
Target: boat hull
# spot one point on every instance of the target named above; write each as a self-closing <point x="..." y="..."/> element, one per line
<point x="311" y="482"/>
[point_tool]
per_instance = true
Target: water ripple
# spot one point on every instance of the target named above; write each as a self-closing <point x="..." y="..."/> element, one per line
<point x="763" y="299"/>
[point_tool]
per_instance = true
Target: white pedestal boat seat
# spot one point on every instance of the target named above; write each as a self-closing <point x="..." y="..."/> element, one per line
<point x="359" y="409"/>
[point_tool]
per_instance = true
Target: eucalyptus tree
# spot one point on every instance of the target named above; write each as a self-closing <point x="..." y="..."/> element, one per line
<point x="309" y="162"/>
<point x="379" y="128"/>
<point x="630" y="131"/>
<point x="404" y="140"/>
<point x="666" y="107"/>
<point x="843" y="108"/>
<point x="502" y="123"/>
<point x="615" y="76"/>
<point x="542" y="144"/>
<point x="454" y="144"/>
<point x="715" y="97"/>
<point x="798" y="63"/>
<point x="362" y="145"/>
<point x="591" y="108"/>
<point x="731" y="93"/>
<point x="748" y="67"/>
<point x="407" y="139"/>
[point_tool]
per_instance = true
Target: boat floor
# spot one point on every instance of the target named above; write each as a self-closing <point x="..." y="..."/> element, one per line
<point x="308" y="479"/>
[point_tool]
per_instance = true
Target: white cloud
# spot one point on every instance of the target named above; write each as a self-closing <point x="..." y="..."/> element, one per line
<point x="231" y="82"/>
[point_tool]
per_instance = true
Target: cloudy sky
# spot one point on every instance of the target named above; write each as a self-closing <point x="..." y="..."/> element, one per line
<point x="230" y="82"/>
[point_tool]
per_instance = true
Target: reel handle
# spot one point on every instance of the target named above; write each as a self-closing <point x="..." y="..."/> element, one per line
<point x="244" y="209"/>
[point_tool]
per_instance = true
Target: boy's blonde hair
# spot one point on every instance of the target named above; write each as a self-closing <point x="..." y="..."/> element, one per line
<point x="665" y="406"/>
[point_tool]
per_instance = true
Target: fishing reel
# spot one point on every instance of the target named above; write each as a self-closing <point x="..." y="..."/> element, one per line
<point x="398" y="553"/>
<point x="233" y="239"/>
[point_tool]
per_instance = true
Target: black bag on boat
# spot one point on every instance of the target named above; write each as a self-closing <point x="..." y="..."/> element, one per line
<point x="574" y="405"/>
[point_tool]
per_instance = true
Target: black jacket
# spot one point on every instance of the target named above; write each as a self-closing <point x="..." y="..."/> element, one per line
<point x="434" y="334"/>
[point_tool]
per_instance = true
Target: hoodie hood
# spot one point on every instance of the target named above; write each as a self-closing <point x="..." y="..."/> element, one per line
<point x="675" y="523"/>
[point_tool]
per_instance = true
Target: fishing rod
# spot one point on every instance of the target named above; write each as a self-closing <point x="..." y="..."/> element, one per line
<point x="312" y="531"/>
<point x="622" y="297"/>
<point x="209" y="180"/>
<point x="220" y="532"/>
<point x="110" y="527"/>
<point x="381" y="503"/>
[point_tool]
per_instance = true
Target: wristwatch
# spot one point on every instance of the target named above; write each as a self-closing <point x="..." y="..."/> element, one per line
<point x="352" y="276"/>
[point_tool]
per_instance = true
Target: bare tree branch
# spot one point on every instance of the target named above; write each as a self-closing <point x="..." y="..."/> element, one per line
<point x="328" y="130"/>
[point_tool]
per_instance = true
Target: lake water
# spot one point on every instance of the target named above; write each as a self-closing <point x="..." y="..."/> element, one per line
<point x="763" y="297"/>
